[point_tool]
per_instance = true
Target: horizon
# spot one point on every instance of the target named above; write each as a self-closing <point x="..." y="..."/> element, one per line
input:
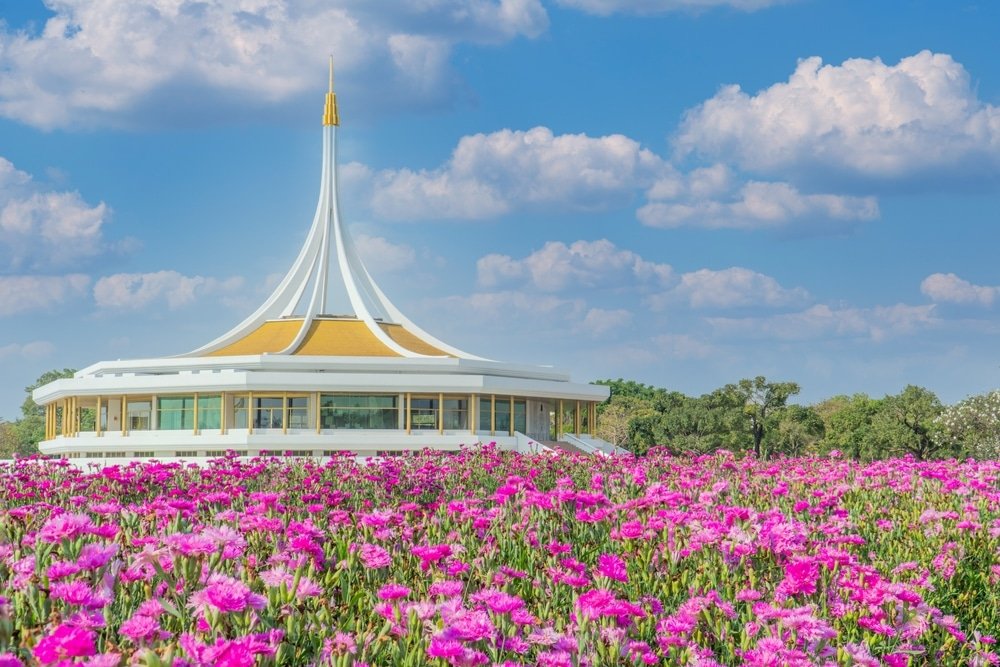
<point x="802" y="190"/>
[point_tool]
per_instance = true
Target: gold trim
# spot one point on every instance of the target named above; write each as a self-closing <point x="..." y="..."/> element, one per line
<point x="510" y="417"/>
<point x="473" y="412"/>
<point x="223" y="409"/>
<point x="195" y="425"/>
<point x="576" y="417"/>
<point x="319" y="424"/>
<point x="124" y="413"/>
<point x="493" y="414"/>
<point x="330" y="115"/>
<point x="409" y="422"/>
<point x="250" y="412"/>
<point x="284" y="413"/>
<point x="440" y="414"/>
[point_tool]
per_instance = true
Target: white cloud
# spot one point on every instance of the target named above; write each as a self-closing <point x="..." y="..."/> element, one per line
<point x="711" y="197"/>
<point x="821" y="321"/>
<point x="503" y="305"/>
<point x="45" y="228"/>
<point x="381" y="255"/>
<point x="134" y="291"/>
<point x="582" y="264"/>
<point x="19" y="294"/>
<point x="608" y="7"/>
<point x="146" y="62"/>
<point x="37" y="349"/>
<point x="862" y="117"/>
<point x="492" y="174"/>
<point x="598" y="321"/>
<point x="730" y="288"/>
<point x="947" y="287"/>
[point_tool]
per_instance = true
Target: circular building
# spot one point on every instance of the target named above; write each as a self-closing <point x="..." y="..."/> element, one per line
<point x="292" y="378"/>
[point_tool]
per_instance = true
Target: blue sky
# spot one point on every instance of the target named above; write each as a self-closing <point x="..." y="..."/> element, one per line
<point x="682" y="192"/>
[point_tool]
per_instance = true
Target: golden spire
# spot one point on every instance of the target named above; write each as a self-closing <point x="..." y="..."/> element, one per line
<point x="330" y="115"/>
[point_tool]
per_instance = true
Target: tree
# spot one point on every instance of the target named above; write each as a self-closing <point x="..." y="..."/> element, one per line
<point x="849" y="426"/>
<point x="760" y="400"/>
<point x="8" y="440"/>
<point x="797" y="429"/>
<point x="30" y="428"/>
<point x="908" y="424"/>
<point x="614" y="420"/>
<point x="972" y="426"/>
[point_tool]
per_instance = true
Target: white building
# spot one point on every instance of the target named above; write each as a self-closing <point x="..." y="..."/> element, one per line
<point x="293" y="378"/>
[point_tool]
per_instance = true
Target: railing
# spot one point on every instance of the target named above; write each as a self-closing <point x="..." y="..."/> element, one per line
<point x="592" y="445"/>
<point x="526" y="445"/>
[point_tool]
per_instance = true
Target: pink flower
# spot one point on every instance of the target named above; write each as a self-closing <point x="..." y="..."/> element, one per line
<point x="75" y="593"/>
<point x="65" y="527"/>
<point x="140" y="628"/>
<point x="64" y="642"/>
<point x="612" y="567"/>
<point x="393" y="592"/>
<point x="499" y="601"/>
<point x="227" y="595"/>
<point x="375" y="557"/>
<point x="10" y="660"/>
<point x="440" y="647"/>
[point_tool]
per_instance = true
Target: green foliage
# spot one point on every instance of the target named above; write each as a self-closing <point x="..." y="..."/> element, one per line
<point x="849" y="426"/>
<point x="761" y="402"/>
<point x="755" y="415"/>
<point x="972" y="427"/>
<point x="907" y="424"/>
<point x="29" y="430"/>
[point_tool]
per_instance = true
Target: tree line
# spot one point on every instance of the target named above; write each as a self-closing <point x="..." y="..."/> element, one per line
<point x="756" y="415"/>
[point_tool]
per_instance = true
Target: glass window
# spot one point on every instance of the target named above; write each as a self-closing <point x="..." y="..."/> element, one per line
<point x="585" y="418"/>
<point x="503" y="415"/>
<point x="456" y="414"/>
<point x="359" y="411"/>
<point x="483" y="426"/>
<point x="423" y="413"/>
<point x="209" y="412"/>
<point x="240" y="411"/>
<point x="268" y="412"/>
<point x="298" y="412"/>
<point x="174" y="413"/>
<point x="138" y="415"/>
<point x="520" y="417"/>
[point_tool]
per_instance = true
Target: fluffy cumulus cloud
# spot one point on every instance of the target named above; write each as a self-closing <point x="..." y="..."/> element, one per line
<point x="581" y="264"/>
<point x="492" y="174"/>
<point x="731" y="288"/>
<point x="157" y="61"/>
<point x="607" y="7"/>
<point x="21" y="294"/>
<point x="863" y="117"/>
<point x="42" y="227"/>
<point x="134" y="291"/>
<point x="823" y="321"/>
<point x="712" y="197"/>
<point x="949" y="288"/>
<point x="381" y="255"/>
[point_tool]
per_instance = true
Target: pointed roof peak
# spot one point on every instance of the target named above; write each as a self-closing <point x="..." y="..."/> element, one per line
<point x="330" y="114"/>
<point x="295" y="317"/>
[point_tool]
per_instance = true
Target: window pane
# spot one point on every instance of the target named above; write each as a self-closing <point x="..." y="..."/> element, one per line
<point x="520" y="417"/>
<point x="484" y="414"/>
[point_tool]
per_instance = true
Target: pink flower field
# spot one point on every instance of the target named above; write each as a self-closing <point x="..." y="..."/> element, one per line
<point x="492" y="558"/>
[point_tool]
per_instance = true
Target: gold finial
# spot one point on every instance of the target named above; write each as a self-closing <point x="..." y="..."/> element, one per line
<point x="330" y="115"/>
